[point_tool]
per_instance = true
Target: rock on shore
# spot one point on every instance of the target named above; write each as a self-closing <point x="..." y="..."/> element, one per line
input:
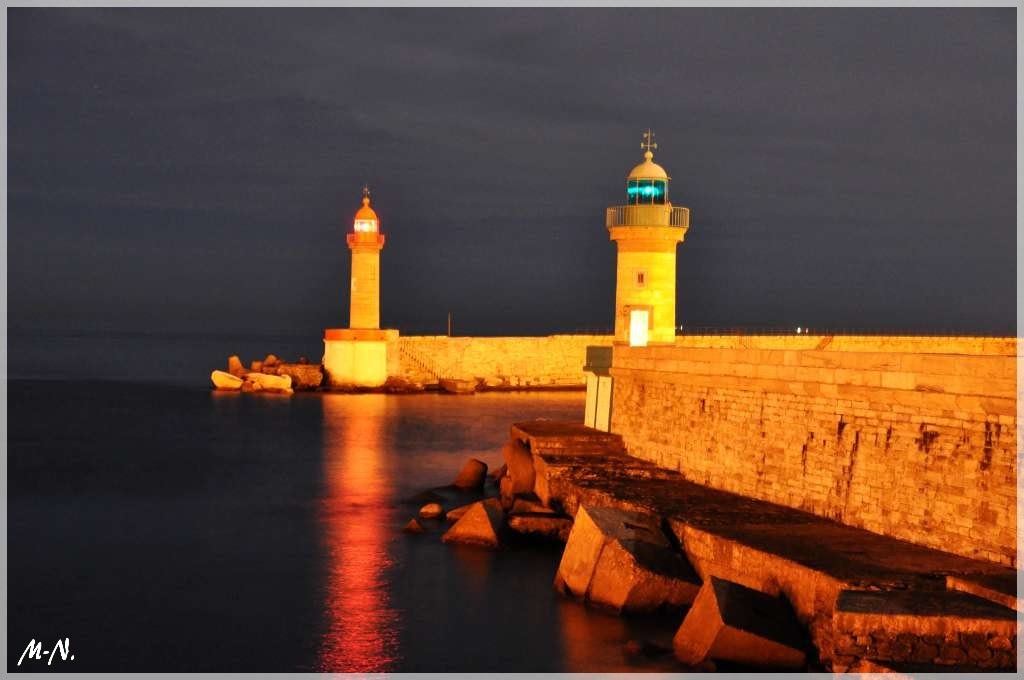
<point x="226" y="381"/>
<point x="520" y="470"/>
<point x="432" y="511"/>
<point x="264" y="382"/>
<point x="302" y="375"/>
<point x="472" y="475"/>
<point x="480" y="525"/>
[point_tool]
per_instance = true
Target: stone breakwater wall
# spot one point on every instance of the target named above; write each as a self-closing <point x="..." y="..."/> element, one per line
<point x="495" y="362"/>
<point x="909" y="437"/>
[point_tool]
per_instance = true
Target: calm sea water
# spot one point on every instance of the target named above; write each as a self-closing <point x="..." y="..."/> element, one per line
<point x="165" y="527"/>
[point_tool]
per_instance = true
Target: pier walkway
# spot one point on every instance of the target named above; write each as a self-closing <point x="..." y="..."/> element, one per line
<point x="863" y="596"/>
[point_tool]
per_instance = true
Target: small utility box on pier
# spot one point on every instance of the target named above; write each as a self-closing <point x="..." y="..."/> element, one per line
<point x="598" y="413"/>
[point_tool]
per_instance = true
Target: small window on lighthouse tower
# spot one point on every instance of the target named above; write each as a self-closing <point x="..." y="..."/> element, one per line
<point x="638" y="323"/>
<point x="641" y="278"/>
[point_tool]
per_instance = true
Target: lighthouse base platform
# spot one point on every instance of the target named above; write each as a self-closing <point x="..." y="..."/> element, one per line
<point x="355" y="357"/>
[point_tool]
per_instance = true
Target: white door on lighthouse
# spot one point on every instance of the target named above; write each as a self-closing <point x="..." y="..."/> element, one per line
<point x="639" y="320"/>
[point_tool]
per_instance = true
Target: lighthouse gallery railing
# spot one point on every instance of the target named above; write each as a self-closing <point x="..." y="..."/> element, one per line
<point x="647" y="216"/>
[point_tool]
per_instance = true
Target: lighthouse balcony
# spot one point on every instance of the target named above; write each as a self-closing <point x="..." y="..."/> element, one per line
<point x="647" y="216"/>
<point x="365" y="240"/>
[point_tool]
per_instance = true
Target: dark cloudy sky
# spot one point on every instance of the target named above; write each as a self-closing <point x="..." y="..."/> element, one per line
<point x="196" y="170"/>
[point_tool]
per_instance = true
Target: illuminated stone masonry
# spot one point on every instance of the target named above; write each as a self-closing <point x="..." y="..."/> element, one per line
<point x="496" y="363"/>
<point x="913" y="438"/>
<point x="358" y="356"/>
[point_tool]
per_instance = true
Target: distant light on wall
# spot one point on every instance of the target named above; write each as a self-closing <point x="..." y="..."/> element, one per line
<point x="799" y="330"/>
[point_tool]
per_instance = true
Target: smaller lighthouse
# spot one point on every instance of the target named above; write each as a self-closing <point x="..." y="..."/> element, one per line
<point x="365" y="242"/>
<point x="357" y="356"/>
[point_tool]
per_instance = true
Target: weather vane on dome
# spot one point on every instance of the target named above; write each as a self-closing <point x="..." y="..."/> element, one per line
<point x="366" y="190"/>
<point x="648" y="144"/>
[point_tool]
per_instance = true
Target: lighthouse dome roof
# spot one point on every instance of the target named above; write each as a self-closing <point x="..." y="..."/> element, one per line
<point x="366" y="212"/>
<point x="648" y="169"/>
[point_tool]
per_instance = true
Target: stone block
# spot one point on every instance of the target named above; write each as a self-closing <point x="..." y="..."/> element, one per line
<point x="520" y="466"/>
<point x="267" y="383"/>
<point x="226" y="381"/>
<point x="235" y="366"/>
<point x="413" y="526"/>
<point x="456" y="514"/>
<point x="1000" y="588"/>
<point x="480" y="525"/>
<point x="621" y="560"/>
<point x="529" y="503"/>
<point x="432" y="511"/>
<point x="500" y="472"/>
<point x="730" y="622"/>
<point x="472" y="474"/>
<point x="506" y="497"/>
<point x="304" y="376"/>
<point x="541" y="524"/>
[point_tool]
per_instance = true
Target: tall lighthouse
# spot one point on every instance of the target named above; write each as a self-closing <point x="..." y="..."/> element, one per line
<point x="357" y="356"/>
<point x="647" y="230"/>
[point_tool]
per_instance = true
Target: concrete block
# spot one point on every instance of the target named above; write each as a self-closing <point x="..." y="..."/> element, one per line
<point x="268" y="383"/>
<point x="621" y="560"/>
<point x="541" y="524"/>
<point x="223" y="380"/>
<point x="480" y="525"/>
<point x="520" y="466"/>
<point x="731" y="622"/>
<point x="472" y="474"/>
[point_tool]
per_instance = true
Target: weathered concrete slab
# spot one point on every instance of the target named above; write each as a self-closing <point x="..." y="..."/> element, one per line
<point x="304" y="376"/>
<point x="480" y="525"/>
<point x="541" y="524"/>
<point x="622" y="560"/>
<point x="554" y="436"/>
<point x="764" y="546"/>
<point x="731" y="622"/>
<point x="946" y="628"/>
<point x="563" y="477"/>
<point x="1000" y="588"/>
<point x="530" y="503"/>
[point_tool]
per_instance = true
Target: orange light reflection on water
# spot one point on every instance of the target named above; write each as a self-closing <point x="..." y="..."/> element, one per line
<point x="362" y="627"/>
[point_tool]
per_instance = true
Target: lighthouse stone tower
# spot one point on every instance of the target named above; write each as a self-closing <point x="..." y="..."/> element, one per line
<point x="647" y="230"/>
<point x="357" y="356"/>
<point x="365" y="242"/>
